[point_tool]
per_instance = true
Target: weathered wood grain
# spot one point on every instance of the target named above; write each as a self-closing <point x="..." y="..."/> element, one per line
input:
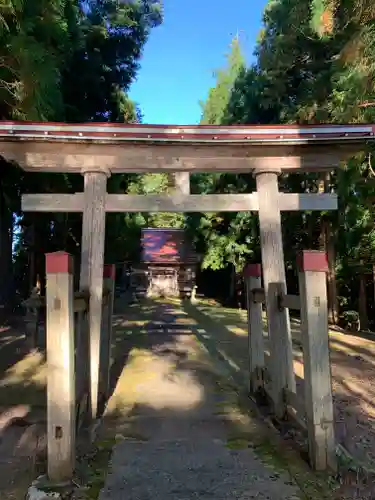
<point x="181" y="202"/>
<point x="274" y="283"/>
<point x="61" y="399"/>
<point x="317" y="368"/>
<point x="72" y="156"/>
<point x="92" y="262"/>
<point x="255" y="335"/>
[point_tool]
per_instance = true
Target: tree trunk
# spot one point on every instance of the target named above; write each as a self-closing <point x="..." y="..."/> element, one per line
<point x="333" y="303"/>
<point x="232" y="288"/>
<point x="362" y="301"/>
<point x="6" y="269"/>
<point x="327" y="244"/>
<point x="31" y="244"/>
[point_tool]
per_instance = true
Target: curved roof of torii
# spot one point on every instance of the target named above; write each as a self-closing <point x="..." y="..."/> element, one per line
<point x="186" y="133"/>
<point x="142" y="148"/>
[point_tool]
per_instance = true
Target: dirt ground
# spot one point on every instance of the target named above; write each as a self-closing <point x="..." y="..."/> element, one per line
<point x="22" y="413"/>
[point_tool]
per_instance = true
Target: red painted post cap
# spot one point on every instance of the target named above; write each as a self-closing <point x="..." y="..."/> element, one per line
<point x="252" y="270"/>
<point x="109" y="271"/>
<point x="59" y="262"/>
<point x="312" y="260"/>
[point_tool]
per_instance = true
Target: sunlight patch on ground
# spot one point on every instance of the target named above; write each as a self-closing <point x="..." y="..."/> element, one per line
<point x="365" y="353"/>
<point x="153" y="381"/>
<point x="342" y="342"/>
<point x="241" y="332"/>
<point x="120" y="334"/>
<point x="25" y="382"/>
<point x="31" y="369"/>
<point x="344" y="348"/>
<point x="360" y="403"/>
<point x="353" y="340"/>
<point x="203" y="333"/>
<point x="185" y="321"/>
<point x="167" y="300"/>
<point x="127" y="322"/>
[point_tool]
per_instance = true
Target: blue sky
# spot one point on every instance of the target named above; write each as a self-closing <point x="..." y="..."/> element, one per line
<point x="180" y="56"/>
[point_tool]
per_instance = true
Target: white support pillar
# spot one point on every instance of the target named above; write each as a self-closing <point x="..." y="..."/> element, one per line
<point x="274" y="280"/>
<point x="61" y="397"/>
<point x="313" y="267"/>
<point x="182" y="183"/>
<point x="92" y="262"/>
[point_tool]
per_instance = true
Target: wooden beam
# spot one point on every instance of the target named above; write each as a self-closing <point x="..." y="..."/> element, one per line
<point x="52" y="202"/>
<point x="182" y="203"/>
<point x="296" y="401"/>
<point x="72" y="156"/>
<point x="307" y="201"/>
<point x="291" y="302"/>
<point x="257" y="295"/>
<point x="177" y="202"/>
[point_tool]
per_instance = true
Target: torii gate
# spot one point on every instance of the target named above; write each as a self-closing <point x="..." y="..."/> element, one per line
<point x="99" y="150"/>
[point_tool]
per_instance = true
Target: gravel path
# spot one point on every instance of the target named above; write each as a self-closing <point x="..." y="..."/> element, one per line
<point x="186" y="446"/>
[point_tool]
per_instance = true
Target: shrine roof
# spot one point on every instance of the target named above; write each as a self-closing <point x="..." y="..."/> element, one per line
<point x="244" y="134"/>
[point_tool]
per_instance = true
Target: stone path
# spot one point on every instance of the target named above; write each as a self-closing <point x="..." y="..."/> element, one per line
<point x="180" y="434"/>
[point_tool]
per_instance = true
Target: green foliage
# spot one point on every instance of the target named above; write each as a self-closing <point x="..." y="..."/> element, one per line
<point x="322" y="17"/>
<point x="315" y="64"/>
<point x="223" y="238"/>
<point x="34" y="37"/>
<point x="72" y="61"/>
<point x="215" y="107"/>
<point x="154" y="184"/>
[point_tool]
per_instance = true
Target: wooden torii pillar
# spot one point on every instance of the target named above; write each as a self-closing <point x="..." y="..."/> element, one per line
<point x="92" y="266"/>
<point x="274" y="282"/>
<point x="96" y="150"/>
